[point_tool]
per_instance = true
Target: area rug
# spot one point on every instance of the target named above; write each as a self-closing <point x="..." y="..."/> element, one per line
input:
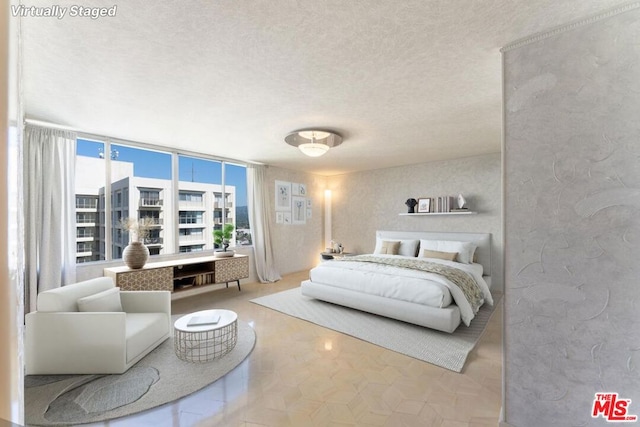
<point x="158" y="378"/>
<point x="449" y="351"/>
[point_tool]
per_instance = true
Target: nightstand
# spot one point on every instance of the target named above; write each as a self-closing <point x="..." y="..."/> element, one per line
<point x="335" y="255"/>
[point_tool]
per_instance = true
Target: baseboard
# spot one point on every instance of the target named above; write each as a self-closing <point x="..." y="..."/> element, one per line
<point x="501" y="421"/>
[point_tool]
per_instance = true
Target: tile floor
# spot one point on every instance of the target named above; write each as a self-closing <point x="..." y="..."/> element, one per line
<point x="303" y="375"/>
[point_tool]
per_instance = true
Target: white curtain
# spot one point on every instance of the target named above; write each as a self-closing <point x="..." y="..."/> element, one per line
<point x="260" y="223"/>
<point x="49" y="173"/>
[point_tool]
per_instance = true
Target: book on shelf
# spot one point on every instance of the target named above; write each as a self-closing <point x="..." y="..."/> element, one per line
<point x="203" y="279"/>
<point x="203" y="320"/>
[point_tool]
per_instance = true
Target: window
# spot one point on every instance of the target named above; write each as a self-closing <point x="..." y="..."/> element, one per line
<point x="210" y="193"/>
<point x="83" y="247"/>
<point x="191" y="248"/>
<point x="86" y="202"/>
<point x="145" y="177"/>
<point x="236" y="178"/>
<point x="196" y="198"/>
<point x="85" y="232"/>
<point x="191" y="217"/>
<point x="89" y="188"/>
<point x="85" y="217"/>
<point x="199" y="179"/>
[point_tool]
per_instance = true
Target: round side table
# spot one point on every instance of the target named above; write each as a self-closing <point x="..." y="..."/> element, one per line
<point x="205" y="341"/>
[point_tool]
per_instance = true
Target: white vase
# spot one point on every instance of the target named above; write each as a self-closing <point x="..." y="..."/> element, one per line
<point x="135" y="255"/>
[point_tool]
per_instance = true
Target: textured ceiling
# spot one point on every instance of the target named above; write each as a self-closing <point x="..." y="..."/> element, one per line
<point x="404" y="82"/>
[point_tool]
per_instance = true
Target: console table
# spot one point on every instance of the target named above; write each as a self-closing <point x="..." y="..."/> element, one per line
<point x="181" y="274"/>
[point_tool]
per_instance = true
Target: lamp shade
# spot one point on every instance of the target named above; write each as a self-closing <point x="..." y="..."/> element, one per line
<point x="313" y="142"/>
<point x="313" y="149"/>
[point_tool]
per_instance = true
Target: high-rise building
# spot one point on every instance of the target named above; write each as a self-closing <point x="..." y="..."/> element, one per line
<point x="199" y="211"/>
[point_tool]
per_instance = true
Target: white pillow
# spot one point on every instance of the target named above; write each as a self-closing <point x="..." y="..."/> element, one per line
<point x="465" y="250"/>
<point x="408" y="247"/>
<point x="104" y="301"/>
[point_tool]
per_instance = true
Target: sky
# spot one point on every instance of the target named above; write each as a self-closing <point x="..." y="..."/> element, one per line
<point x="153" y="164"/>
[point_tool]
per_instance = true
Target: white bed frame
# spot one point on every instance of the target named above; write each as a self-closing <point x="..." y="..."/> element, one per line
<point x="444" y="319"/>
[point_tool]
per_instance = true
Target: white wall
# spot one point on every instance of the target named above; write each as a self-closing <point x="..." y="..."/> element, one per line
<point x="297" y="247"/>
<point x="368" y="201"/>
<point x="572" y="221"/>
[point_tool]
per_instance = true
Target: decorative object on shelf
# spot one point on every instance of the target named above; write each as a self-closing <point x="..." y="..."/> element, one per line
<point x="222" y="238"/>
<point x="424" y="205"/>
<point x="313" y="142"/>
<point x="461" y="205"/>
<point x="136" y="254"/>
<point x="411" y="204"/>
<point x="461" y="202"/>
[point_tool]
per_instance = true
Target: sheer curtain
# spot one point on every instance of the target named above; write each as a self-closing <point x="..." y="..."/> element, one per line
<point x="260" y="223"/>
<point x="49" y="171"/>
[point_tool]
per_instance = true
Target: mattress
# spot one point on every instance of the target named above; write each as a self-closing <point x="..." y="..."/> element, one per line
<point x="420" y="287"/>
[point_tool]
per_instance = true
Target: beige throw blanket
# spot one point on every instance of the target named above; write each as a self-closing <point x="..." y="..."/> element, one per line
<point x="463" y="280"/>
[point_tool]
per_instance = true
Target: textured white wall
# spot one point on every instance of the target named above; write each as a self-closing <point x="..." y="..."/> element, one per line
<point x="298" y="247"/>
<point x="572" y="221"/>
<point x="364" y="202"/>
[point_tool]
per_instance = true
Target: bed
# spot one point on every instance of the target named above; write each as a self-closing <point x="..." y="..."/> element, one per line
<point x="415" y="277"/>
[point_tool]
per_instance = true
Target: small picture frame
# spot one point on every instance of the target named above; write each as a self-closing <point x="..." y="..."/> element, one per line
<point x="299" y="210"/>
<point x="298" y="189"/>
<point x="424" y="205"/>
<point x="279" y="217"/>
<point x="283" y="196"/>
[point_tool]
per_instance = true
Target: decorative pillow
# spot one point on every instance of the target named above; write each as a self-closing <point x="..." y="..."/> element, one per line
<point x="388" y="247"/>
<point x="407" y="247"/>
<point x="449" y="256"/>
<point x="108" y="300"/>
<point x="465" y="250"/>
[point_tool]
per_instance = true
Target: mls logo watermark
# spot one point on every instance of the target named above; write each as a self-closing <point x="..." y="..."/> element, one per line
<point x="612" y="409"/>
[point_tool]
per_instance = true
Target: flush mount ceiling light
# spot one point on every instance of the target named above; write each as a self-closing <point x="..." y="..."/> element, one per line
<point x="312" y="142"/>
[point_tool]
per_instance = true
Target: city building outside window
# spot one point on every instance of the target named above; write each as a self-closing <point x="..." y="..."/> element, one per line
<point x="210" y="194"/>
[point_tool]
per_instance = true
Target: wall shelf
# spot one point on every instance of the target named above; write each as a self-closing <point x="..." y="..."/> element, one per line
<point x="439" y="213"/>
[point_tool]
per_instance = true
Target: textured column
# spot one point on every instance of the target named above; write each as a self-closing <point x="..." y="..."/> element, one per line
<point x="572" y="220"/>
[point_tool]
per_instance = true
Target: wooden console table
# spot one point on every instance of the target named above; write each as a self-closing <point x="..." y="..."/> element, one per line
<point x="181" y="274"/>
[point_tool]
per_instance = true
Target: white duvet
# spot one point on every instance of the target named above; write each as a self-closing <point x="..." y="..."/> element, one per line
<point x="403" y="284"/>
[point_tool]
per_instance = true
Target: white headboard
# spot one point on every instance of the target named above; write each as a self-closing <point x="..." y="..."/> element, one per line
<point x="483" y="240"/>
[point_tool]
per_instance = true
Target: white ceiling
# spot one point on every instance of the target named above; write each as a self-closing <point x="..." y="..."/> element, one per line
<point x="404" y="81"/>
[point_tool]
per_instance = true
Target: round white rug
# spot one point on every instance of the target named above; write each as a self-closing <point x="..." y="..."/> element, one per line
<point x="158" y="378"/>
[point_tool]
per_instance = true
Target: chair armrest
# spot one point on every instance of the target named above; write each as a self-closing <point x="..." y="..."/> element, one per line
<point x="146" y="301"/>
<point x="71" y="342"/>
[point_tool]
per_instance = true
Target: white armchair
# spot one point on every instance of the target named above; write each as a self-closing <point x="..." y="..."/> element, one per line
<point x="92" y="327"/>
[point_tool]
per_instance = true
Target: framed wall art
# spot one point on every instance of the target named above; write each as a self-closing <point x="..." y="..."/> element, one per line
<point x="424" y="205"/>
<point x="283" y="196"/>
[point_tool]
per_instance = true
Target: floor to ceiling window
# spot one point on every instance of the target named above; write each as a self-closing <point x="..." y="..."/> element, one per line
<point x="119" y="181"/>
